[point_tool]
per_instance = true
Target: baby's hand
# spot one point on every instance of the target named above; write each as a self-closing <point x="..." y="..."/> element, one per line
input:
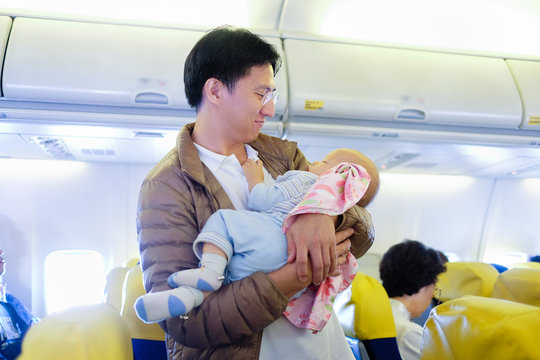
<point x="254" y="172"/>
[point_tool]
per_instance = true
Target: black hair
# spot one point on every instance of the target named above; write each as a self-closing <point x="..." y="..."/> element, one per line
<point x="409" y="266"/>
<point x="225" y="53"/>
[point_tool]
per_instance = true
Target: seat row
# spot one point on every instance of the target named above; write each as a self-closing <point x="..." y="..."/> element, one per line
<point x="484" y="315"/>
<point x="109" y="331"/>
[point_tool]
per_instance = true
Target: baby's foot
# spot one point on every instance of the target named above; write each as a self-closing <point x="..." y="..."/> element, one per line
<point x="202" y="278"/>
<point x="167" y="304"/>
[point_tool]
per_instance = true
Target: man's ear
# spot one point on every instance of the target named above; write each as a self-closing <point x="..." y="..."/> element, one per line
<point x="213" y="90"/>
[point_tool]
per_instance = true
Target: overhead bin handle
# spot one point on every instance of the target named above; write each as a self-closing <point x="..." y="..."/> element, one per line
<point x="151" y="98"/>
<point x="411" y="115"/>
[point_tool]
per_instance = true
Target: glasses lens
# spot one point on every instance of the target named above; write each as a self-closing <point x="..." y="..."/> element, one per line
<point x="271" y="95"/>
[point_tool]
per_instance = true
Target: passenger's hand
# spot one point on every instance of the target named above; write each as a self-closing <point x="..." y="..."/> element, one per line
<point x="313" y="235"/>
<point x="343" y="247"/>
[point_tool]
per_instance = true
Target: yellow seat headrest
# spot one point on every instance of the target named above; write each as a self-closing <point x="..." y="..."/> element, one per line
<point x="92" y="332"/>
<point x="373" y="317"/>
<point x="518" y="284"/>
<point x="466" y="278"/>
<point x="133" y="288"/>
<point x="114" y="286"/>
<point x="131" y="262"/>
<point x="474" y="327"/>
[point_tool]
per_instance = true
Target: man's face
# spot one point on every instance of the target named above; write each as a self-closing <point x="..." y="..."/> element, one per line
<point x="243" y="110"/>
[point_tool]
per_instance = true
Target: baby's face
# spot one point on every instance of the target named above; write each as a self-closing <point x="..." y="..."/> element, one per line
<point x="331" y="160"/>
<point x="319" y="167"/>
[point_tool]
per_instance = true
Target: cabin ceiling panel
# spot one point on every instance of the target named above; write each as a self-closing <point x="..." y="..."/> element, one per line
<point x="15" y="146"/>
<point x="434" y="158"/>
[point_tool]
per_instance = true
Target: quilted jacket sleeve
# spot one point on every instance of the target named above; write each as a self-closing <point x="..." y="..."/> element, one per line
<point x="359" y="220"/>
<point x="167" y="227"/>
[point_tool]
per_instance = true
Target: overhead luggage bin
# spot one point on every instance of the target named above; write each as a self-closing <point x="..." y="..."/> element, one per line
<point x="96" y="64"/>
<point x="65" y="62"/>
<point x="349" y="81"/>
<point x="527" y="77"/>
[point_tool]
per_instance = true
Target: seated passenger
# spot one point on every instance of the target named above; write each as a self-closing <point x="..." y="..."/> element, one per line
<point x="408" y="272"/>
<point x="15" y="320"/>
<point x="421" y="320"/>
<point x="236" y="243"/>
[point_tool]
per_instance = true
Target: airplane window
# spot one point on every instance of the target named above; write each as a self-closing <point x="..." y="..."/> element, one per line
<point x="73" y="277"/>
<point x="507" y="259"/>
<point x="452" y="257"/>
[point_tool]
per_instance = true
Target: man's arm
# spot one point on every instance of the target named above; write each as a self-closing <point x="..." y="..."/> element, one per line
<point x="167" y="227"/>
<point x="359" y="220"/>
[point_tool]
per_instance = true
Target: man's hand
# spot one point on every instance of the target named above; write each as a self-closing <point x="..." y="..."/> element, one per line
<point x="313" y="235"/>
<point x="343" y="247"/>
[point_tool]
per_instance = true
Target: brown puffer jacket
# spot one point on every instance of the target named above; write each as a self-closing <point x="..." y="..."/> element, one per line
<point x="175" y="201"/>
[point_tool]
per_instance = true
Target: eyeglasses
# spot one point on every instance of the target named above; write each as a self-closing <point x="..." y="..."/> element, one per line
<point x="437" y="295"/>
<point x="265" y="98"/>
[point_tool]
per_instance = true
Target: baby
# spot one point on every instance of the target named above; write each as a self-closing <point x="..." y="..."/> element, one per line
<point x="236" y="243"/>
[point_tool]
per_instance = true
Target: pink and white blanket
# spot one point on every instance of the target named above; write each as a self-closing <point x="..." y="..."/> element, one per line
<point x="334" y="192"/>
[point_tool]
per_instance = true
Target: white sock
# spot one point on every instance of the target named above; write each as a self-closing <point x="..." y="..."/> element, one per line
<point x="167" y="304"/>
<point x="207" y="278"/>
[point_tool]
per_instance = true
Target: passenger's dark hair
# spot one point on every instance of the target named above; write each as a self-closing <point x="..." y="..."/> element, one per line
<point x="225" y="53"/>
<point x="409" y="266"/>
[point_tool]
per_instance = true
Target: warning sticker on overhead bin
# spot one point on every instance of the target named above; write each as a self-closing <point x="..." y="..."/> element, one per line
<point x="534" y="120"/>
<point x="314" y="105"/>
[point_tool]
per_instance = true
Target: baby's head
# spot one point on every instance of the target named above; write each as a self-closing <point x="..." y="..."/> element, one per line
<point x="339" y="156"/>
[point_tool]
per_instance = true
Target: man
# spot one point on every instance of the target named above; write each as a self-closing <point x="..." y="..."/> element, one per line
<point x="408" y="272"/>
<point x="15" y="320"/>
<point x="229" y="79"/>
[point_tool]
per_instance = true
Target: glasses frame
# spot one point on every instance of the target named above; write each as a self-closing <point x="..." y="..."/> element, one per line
<point x="437" y="295"/>
<point x="265" y="98"/>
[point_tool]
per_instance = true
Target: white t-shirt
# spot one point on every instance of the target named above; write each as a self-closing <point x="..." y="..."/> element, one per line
<point x="408" y="334"/>
<point x="281" y="339"/>
<point x="228" y="171"/>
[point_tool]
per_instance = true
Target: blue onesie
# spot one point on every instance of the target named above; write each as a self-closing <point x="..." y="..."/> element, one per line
<point x="253" y="240"/>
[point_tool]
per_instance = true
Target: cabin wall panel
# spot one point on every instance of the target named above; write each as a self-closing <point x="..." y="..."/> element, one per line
<point x="513" y="224"/>
<point x="94" y="209"/>
<point x="444" y="212"/>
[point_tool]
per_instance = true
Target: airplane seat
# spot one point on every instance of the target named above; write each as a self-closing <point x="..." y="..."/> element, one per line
<point x="90" y="332"/>
<point x="369" y="264"/>
<point x="365" y="313"/>
<point x="148" y="340"/>
<point x="115" y="282"/>
<point x="132" y="262"/>
<point x="500" y="268"/>
<point x="528" y="265"/>
<point x="476" y="327"/>
<point x="113" y="287"/>
<point x="466" y="278"/>
<point x="518" y="284"/>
